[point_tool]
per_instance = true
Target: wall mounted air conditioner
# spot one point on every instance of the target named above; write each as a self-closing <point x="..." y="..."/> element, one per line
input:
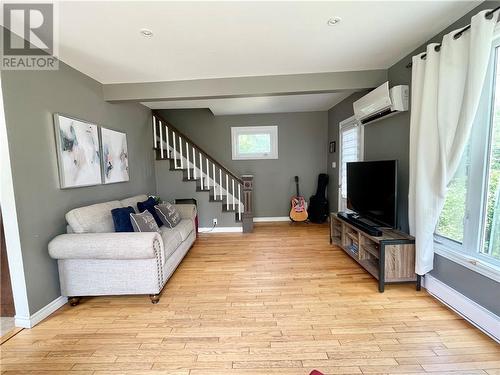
<point x="381" y="103"/>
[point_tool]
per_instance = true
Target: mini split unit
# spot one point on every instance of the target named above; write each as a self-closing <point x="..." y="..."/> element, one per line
<point x="381" y="103"/>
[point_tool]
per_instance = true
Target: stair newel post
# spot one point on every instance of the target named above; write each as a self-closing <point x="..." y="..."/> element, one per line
<point x="187" y="161"/>
<point x="201" y="170"/>
<point x="195" y="172"/>
<point x="161" y="140"/>
<point x="182" y="154"/>
<point x="247" y="220"/>
<point x="175" y="150"/>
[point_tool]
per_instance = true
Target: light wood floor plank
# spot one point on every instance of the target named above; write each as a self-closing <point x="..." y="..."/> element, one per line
<point x="278" y="301"/>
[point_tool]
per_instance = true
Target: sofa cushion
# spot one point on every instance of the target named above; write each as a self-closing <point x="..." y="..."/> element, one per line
<point x="93" y="219"/>
<point x="149" y="205"/>
<point x="144" y="222"/>
<point x="184" y="228"/>
<point x="132" y="201"/>
<point x="121" y="219"/>
<point x="171" y="240"/>
<point x="168" y="214"/>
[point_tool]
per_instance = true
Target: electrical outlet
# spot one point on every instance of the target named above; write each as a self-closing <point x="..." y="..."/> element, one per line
<point x="334" y="164"/>
<point x="214" y="221"/>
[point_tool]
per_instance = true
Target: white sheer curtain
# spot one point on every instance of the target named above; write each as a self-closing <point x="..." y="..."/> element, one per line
<point x="446" y="88"/>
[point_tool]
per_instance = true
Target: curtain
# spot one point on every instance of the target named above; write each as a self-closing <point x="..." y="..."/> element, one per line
<point x="445" y="93"/>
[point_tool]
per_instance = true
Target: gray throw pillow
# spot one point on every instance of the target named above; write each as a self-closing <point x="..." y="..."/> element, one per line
<point x="168" y="214"/>
<point x="144" y="222"/>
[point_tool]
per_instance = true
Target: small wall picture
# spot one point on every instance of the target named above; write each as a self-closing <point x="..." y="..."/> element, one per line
<point x="114" y="156"/>
<point x="79" y="158"/>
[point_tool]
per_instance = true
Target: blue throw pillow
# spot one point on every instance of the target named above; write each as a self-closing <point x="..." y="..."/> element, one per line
<point x="121" y="219"/>
<point x="149" y="205"/>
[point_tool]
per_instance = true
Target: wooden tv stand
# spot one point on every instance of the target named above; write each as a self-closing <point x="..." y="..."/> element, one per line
<point x="389" y="258"/>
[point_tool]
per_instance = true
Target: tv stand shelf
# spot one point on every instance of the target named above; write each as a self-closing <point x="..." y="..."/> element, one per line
<point x="389" y="258"/>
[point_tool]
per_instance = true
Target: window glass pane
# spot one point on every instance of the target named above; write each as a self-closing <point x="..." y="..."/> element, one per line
<point x="451" y="221"/>
<point x="254" y="143"/>
<point x="491" y="235"/>
<point x="350" y="153"/>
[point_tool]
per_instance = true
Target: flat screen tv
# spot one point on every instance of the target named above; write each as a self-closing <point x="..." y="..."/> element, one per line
<point x="372" y="190"/>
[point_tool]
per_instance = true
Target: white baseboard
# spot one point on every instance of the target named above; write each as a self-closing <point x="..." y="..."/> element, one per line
<point x="270" y="219"/>
<point x="476" y="314"/>
<point x="221" y="230"/>
<point x="33" y="320"/>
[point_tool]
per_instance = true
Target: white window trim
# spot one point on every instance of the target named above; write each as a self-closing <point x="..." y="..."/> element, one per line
<point x="236" y="131"/>
<point x="349" y="122"/>
<point x="465" y="254"/>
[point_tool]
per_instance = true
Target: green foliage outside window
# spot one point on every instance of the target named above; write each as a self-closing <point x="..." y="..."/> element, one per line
<point x="254" y="143"/>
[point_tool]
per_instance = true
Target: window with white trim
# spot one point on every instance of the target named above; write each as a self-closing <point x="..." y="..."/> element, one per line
<point x="470" y="221"/>
<point x="254" y="142"/>
<point x="351" y="149"/>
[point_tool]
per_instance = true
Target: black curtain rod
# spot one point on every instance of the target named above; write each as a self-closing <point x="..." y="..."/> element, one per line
<point x="456" y="36"/>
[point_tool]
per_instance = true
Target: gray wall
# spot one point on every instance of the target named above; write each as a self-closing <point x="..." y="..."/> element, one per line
<point x="302" y="144"/>
<point x="383" y="140"/>
<point x="389" y="139"/>
<point x="30" y="99"/>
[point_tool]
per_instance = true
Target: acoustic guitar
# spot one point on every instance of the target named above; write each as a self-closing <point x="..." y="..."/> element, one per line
<point x="298" y="211"/>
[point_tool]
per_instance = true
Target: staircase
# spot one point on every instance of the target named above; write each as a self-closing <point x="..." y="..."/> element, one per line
<point x="221" y="185"/>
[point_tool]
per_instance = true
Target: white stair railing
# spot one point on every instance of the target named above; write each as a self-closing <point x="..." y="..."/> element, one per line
<point x="183" y="154"/>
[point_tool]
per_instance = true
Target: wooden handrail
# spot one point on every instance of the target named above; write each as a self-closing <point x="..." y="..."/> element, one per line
<point x="221" y="166"/>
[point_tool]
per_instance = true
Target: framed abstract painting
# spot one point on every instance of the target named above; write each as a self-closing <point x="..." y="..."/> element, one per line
<point x="78" y="154"/>
<point x="114" y="156"/>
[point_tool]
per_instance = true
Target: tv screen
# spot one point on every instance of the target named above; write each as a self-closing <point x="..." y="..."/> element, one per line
<point x="372" y="190"/>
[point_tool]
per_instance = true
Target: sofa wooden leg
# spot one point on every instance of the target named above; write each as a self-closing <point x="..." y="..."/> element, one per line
<point x="73" y="301"/>
<point x="155" y="298"/>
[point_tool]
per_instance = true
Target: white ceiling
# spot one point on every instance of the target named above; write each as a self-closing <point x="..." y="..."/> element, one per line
<point x="196" y="40"/>
<point x="228" y="39"/>
<point x="261" y="104"/>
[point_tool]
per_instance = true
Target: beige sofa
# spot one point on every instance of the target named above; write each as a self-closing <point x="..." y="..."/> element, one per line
<point x="94" y="260"/>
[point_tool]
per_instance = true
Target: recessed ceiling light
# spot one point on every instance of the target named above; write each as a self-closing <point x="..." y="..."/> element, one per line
<point x="334" y="21"/>
<point x="147" y="33"/>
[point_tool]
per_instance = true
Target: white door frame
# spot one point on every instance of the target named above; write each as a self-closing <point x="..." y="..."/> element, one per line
<point x="10" y="223"/>
<point x="348" y="122"/>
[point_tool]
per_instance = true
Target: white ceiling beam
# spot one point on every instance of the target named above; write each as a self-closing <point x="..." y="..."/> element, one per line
<point x="235" y="87"/>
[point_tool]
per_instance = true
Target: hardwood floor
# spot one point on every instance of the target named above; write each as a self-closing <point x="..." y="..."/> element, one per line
<point x="278" y="301"/>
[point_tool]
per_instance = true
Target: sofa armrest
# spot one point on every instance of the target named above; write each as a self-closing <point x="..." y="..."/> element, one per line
<point x="145" y="245"/>
<point x="187" y="211"/>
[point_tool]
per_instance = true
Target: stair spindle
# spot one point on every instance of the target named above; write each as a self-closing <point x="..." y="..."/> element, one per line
<point x="239" y="202"/>
<point x="215" y="183"/>
<point x="161" y="140"/>
<point x="168" y="142"/>
<point x="208" y="175"/>
<point x="182" y="156"/>
<point x="232" y="193"/>
<point x="201" y="171"/>
<point x="194" y="162"/>
<point x="155" y="143"/>
<point x="187" y="161"/>
<point x="220" y="183"/>
<point x="175" y="150"/>
<point x="227" y="192"/>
